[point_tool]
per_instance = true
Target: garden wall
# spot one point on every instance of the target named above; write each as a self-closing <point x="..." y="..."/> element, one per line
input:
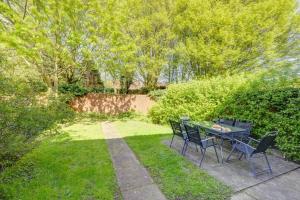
<point x="112" y="103"/>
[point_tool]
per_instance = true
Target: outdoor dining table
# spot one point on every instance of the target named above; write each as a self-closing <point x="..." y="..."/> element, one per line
<point x="222" y="131"/>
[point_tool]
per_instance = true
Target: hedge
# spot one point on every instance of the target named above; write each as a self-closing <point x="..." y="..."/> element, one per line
<point x="267" y="103"/>
<point x="197" y="99"/>
<point x="269" y="109"/>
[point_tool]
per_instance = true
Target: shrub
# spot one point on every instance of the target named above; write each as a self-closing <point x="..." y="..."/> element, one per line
<point x="197" y="99"/>
<point x="157" y="94"/>
<point x="270" y="102"/>
<point x="22" y="119"/>
<point x="269" y="109"/>
<point x="74" y="89"/>
<point x="78" y="90"/>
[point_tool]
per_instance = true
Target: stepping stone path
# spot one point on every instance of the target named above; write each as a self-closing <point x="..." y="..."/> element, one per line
<point x="134" y="181"/>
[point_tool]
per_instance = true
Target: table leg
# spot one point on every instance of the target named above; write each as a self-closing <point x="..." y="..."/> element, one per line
<point x="221" y="149"/>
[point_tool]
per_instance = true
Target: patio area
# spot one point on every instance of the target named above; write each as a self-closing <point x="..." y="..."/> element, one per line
<point x="282" y="184"/>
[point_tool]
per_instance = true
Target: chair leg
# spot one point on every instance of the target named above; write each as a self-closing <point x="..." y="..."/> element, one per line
<point x="241" y="156"/>
<point x="172" y="140"/>
<point x="196" y="147"/>
<point x="231" y="152"/>
<point x="252" y="167"/>
<point x="203" y="155"/>
<point x="268" y="163"/>
<point x="186" y="146"/>
<point x="216" y="152"/>
<point x="183" y="147"/>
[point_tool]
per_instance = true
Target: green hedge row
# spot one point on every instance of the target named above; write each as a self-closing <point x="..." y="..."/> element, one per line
<point x="78" y="90"/>
<point x="268" y="103"/>
<point x="197" y="99"/>
<point x="269" y="109"/>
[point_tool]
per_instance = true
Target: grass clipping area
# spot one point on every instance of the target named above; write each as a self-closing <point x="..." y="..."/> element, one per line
<point x="178" y="178"/>
<point x="72" y="165"/>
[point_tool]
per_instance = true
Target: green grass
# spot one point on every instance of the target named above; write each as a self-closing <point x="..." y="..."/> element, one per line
<point x="72" y="165"/>
<point x="178" y="178"/>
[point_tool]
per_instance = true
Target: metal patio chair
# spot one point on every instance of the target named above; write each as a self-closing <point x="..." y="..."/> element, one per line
<point x="226" y="121"/>
<point x="194" y="136"/>
<point x="178" y="131"/>
<point x="244" y="125"/>
<point x="248" y="150"/>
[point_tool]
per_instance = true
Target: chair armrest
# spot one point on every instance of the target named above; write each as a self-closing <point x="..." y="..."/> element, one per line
<point x="243" y="143"/>
<point x="252" y="139"/>
<point x="210" y="138"/>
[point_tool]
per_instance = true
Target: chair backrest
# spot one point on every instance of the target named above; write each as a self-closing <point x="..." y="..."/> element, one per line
<point x="267" y="141"/>
<point x="193" y="134"/>
<point x="184" y="119"/>
<point x="226" y="121"/>
<point x="176" y="127"/>
<point x="244" y="125"/>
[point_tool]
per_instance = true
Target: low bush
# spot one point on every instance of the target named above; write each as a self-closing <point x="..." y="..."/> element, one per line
<point x="74" y="89"/>
<point x="156" y="94"/>
<point x="269" y="102"/>
<point x="197" y="99"/>
<point x="22" y="119"/>
<point x="269" y="109"/>
<point x="79" y="90"/>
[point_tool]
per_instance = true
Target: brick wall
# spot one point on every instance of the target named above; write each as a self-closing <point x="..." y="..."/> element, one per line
<point x="112" y="104"/>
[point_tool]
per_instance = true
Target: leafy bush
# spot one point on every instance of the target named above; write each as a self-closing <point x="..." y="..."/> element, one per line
<point x="156" y="94"/>
<point x="74" y="89"/>
<point x="38" y="86"/>
<point x="78" y="90"/>
<point x="22" y="119"/>
<point x="197" y="99"/>
<point x="269" y="109"/>
<point x="271" y="102"/>
<point x="102" y="90"/>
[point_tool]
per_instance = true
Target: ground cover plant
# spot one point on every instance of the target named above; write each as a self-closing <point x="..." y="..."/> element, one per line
<point x="74" y="164"/>
<point x="176" y="176"/>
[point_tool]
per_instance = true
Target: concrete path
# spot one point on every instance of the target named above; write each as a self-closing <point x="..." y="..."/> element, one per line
<point x="283" y="184"/>
<point x="134" y="181"/>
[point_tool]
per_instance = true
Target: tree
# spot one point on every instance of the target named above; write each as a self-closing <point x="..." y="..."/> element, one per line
<point x="235" y="35"/>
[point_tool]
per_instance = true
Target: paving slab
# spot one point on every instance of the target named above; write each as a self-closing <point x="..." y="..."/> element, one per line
<point x="284" y="187"/>
<point x="283" y="183"/>
<point x="242" y="196"/>
<point x="134" y="180"/>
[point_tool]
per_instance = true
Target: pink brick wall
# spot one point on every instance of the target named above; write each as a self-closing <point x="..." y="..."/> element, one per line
<point x="112" y="104"/>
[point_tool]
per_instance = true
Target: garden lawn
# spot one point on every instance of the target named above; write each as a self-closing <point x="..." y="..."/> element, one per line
<point x="177" y="177"/>
<point x="72" y="165"/>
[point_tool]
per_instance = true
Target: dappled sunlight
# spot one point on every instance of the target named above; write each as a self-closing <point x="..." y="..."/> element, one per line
<point x="73" y="164"/>
<point x="139" y="128"/>
<point x="84" y="130"/>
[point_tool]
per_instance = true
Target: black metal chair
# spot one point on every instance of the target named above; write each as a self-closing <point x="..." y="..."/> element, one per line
<point x="178" y="130"/>
<point x="248" y="150"/>
<point x="244" y="125"/>
<point x="226" y="121"/>
<point x="194" y="136"/>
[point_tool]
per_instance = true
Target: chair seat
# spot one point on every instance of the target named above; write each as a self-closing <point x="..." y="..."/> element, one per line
<point x="207" y="143"/>
<point x="244" y="148"/>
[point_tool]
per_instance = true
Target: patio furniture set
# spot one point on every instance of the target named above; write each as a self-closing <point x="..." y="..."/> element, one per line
<point x="213" y="134"/>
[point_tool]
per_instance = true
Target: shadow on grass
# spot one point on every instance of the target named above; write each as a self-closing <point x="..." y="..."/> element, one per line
<point x="176" y="176"/>
<point x="62" y="168"/>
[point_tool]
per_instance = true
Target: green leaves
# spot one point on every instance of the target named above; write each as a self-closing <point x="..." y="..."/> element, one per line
<point x="264" y="99"/>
